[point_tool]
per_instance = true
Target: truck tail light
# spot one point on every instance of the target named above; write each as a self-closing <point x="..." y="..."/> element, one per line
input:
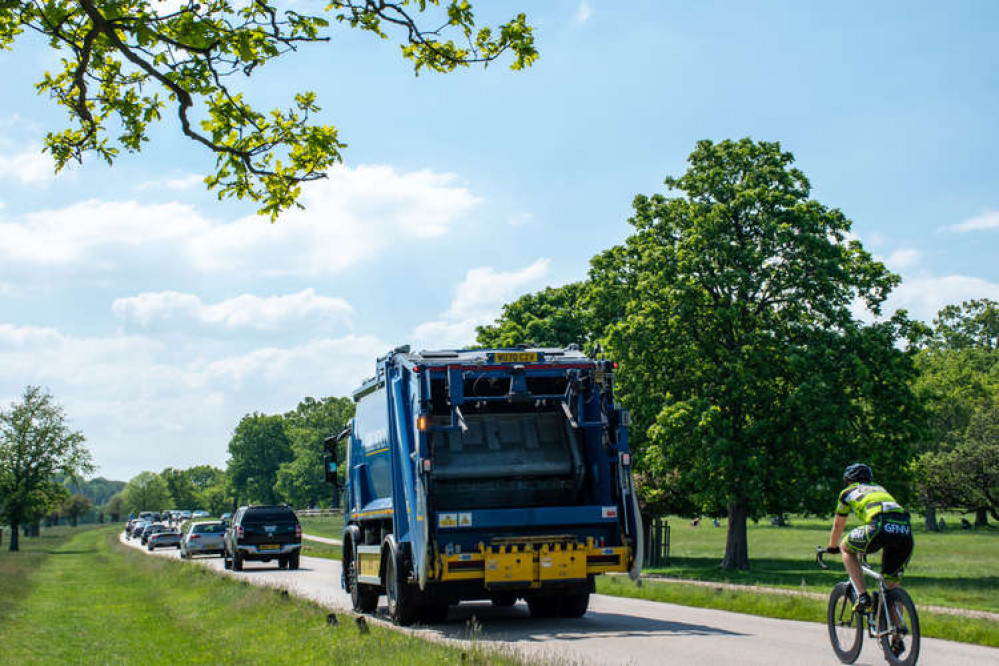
<point x="298" y="531"/>
<point x="427" y="465"/>
<point x="422" y="421"/>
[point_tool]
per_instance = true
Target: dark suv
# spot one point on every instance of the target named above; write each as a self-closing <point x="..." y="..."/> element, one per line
<point x="263" y="533"/>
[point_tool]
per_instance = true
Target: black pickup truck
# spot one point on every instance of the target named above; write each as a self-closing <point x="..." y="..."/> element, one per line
<point x="263" y="533"/>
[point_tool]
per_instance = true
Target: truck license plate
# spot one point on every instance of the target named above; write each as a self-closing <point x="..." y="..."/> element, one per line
<point x="516" y="357"/>
<point x="270" y="546"/>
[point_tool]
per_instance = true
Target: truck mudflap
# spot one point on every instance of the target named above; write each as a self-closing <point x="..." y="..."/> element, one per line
<point x="532" y="562"/>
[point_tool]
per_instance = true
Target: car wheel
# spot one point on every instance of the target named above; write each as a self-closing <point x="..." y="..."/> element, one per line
<point x="282" y="562"/>
<point x="237" y="562"/>
<point x="293" y="560"/>
<point x="149" y="548"/>
<point x="226" y="562"/>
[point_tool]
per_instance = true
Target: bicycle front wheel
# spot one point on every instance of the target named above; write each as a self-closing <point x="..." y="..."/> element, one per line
<point x="846" y="630"/>
<point x="900" y="639"/>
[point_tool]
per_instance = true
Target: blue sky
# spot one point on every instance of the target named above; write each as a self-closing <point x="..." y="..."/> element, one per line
<point x="158" y="316"/>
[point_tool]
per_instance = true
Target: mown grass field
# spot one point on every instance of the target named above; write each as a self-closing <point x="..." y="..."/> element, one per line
<point x="81" y="597"/>
<point x="955" y="568"/>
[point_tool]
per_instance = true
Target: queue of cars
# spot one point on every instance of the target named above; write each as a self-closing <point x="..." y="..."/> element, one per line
<point x="254" y="533"/>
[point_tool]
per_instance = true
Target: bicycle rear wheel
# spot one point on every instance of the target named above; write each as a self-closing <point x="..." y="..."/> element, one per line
<point x="846" y="630"/>
<point x="901" y="644"/>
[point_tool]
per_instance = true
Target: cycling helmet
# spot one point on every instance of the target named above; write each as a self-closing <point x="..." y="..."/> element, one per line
<point x="857" y="473"/>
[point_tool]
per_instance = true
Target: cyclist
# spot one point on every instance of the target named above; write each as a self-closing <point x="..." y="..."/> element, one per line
<point x="886" y="525"/>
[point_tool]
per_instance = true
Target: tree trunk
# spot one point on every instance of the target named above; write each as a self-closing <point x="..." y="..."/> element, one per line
<point x="736" y="543"/>
<point x="981" y="517"/>
<point x="15" y="544"/>
<point x="931" y="519"/>
<point x="74" y="520"/>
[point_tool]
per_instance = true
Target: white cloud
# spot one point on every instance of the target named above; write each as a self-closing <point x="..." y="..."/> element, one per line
<point x="985" y="221"/>
<point x="247" y="311"/>
<point x="143" y="404"/>
<point x="903" y="259"/>
<point x="176" y="184"/>
<point x="86" y="230"/>
<point x="478" y="300"/>
<point x="351" y="217"/>
<point x="28" y="167"/>
<point x="924" y="295"/>
<point x="584" y="12"/>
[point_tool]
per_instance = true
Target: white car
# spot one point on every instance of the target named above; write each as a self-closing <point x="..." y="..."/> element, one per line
<point x="185" y="515"/>
<point x="200" y="514"/>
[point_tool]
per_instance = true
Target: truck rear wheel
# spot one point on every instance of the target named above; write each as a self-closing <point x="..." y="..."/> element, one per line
<point x="401" y="605"/>
<point x="543" y="607"/>
<point x="433" y="613"/>
<point x="574" y="605"/>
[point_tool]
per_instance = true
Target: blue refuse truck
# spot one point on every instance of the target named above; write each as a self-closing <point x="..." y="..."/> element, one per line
<point x="495" y="474"/>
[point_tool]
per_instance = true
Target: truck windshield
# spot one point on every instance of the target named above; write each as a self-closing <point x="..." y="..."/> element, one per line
<point x="532" y="457"/>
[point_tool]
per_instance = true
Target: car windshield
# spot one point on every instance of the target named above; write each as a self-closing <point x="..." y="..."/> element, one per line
<point x="269" y="517"/>
<point x="209" y="529"/>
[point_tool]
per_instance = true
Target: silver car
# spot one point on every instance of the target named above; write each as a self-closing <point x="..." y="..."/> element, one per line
<point x="205" y="538"/>
<point x="168" y="538"/>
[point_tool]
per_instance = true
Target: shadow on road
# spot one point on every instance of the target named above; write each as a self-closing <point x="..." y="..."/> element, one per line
<point x="515" y="624"/>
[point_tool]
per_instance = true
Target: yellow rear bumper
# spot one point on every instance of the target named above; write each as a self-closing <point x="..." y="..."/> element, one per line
<point x="531" y="563"/>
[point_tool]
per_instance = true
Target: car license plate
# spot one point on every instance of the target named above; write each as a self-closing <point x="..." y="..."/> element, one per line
<point x="516" y="357"/>
<point x="270" y="546"/>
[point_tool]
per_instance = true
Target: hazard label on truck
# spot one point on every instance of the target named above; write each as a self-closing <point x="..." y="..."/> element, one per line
<point x="464" y="520"/>
<point x="608" y="512"/>
<point x="447" y="520"/>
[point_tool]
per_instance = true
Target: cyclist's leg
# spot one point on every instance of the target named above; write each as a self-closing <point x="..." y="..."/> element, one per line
<point x="857" y="541"/>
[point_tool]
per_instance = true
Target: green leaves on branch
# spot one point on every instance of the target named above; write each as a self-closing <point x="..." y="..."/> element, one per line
<point x="126" y="61"/>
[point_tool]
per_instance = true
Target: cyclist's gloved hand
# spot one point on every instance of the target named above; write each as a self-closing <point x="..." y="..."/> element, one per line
<point x="832" y="549"/>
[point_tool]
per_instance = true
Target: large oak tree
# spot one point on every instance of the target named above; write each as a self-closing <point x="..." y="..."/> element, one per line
<point x="751" y="380"/>
<point x="127" y="62"/>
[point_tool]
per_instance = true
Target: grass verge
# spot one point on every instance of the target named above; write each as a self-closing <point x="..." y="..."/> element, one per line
<point x="330" y="527"/>
<point x="788" y="607"/>
<point x="957" y="568"/>
<point x="17" y="569"/>
<point x="95" y="601"/>
<point x="319" y="549"/>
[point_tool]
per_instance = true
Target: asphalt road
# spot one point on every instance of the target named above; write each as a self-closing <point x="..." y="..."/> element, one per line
<point x="615" y="630"/>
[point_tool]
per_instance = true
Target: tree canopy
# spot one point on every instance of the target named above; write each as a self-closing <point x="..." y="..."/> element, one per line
<point x="552" y="317"/>
<point x="959" y="383"/>
<point x="36" y="446"/>
<point x="127" y="62"/>
<point x="257" y="449"/>
<point x="301" y="481"/>
<point x="739" y="351"/>
<point x="146" y="491"/>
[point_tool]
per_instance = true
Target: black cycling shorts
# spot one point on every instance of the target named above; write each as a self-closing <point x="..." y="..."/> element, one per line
<point x="890" y="531"/>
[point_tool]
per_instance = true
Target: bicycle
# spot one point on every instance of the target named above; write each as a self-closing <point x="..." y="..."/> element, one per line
<point x="891" y="620"/>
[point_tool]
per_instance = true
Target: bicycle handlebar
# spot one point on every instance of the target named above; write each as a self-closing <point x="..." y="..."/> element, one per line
<point x="819" y="552"/>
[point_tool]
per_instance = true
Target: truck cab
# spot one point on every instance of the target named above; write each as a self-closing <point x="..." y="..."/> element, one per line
<point x="496" y="474"/>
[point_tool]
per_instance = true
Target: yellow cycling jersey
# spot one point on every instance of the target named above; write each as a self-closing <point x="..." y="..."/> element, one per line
<point x="866" y="500"/>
